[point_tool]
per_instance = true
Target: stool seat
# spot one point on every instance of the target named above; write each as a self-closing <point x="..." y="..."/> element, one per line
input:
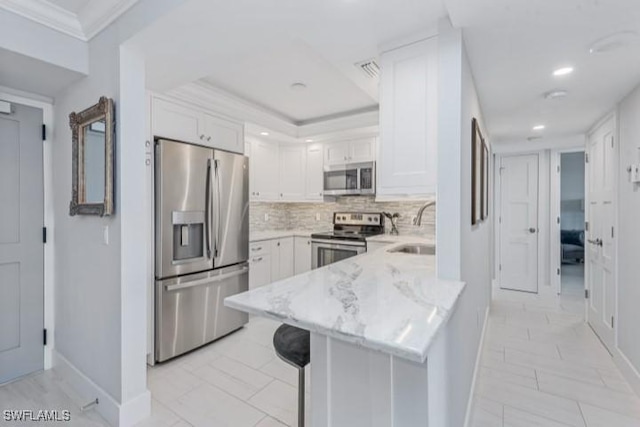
<point x="293" y="345"/>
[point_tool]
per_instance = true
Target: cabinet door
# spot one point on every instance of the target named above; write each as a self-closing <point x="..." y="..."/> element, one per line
<point x="292" y="166"/>
<point x="173" y="121"/>
<point x="336" y="153"/>
<point x="315" y="172"/>
<point x="263" y="168"/>
<point x="302" y="256"/>
<point x="362" y="150"/>
<point x="286" y="258"/>
<point x="408" y="120"/>
<point x="260" y="270"/>
<point x="223" y="134"/>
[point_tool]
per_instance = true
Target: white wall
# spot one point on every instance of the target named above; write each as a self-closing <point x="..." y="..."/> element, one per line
<point x="463" y="250"/>
<point x="628" y="316"/>
<point x="100" y="296"/>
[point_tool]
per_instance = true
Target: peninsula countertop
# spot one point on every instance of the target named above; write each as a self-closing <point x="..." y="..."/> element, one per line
<point x="391" y="302"/>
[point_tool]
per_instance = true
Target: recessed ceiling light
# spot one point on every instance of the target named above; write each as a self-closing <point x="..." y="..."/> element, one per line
<point x="556" y="93"/>
<point x="264" y="133"/>
<point x="563" y="71"/>
<point x="298" y="86"/>
<point x="538" y="127"/>
<point x="614" y="42"/>
<point x="308" y="140"/>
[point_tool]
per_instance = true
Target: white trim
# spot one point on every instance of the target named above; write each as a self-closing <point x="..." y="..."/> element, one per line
<point x="7" y="94"/>
<point x="85" y="391"/>
<point x="99" y="14"/>
<point x="476" y="369"/>
<point x="48" y="14"/>
<point x="93" y="18"/>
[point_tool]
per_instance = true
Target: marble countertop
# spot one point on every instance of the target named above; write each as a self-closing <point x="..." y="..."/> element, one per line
<point x="258" y="236"/>
<point x="391" y="302"/>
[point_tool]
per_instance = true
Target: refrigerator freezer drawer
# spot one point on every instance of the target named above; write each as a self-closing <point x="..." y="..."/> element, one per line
<point x="190" y="310"/>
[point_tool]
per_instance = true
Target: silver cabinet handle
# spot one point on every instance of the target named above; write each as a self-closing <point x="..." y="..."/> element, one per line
<point x="257" y="259"/>
<point x="256" y="249"/>
<point x="201" y="137"/>
<point x="207" y="280"/>
<point x="208" y="138"/>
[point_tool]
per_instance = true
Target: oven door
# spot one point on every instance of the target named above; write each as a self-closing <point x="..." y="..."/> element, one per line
<point x="325" y="252"/>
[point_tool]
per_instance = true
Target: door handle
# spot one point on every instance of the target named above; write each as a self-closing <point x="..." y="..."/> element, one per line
<point x="597" y="242"/>
<point x="219" y="216"/>
<point x="532" y="230"/>
<point x="207" y="280"/>
<point x="207" y="210"/>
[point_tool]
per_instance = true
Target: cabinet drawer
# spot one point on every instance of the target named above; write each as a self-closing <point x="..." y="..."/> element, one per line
<point x="259" y="248"/>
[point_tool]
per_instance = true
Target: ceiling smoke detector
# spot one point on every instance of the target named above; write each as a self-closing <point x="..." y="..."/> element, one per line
<point x="370" y="68"/>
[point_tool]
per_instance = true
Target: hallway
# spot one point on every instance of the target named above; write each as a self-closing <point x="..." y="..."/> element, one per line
<point x="543" y="366"/>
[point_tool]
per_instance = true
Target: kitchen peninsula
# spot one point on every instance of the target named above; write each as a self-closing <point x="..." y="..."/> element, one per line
<point x="373" y="319"/>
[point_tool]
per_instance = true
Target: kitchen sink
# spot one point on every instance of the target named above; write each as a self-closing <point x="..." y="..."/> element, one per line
<point x="416" y="249"/>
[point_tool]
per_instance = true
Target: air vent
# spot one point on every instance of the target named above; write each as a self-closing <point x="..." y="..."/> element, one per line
<point x="370" y="68"/>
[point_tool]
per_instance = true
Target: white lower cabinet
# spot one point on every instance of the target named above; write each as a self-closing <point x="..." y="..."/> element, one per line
<point x="259" y="264"/>
<point x="302" y="258"/>
<point x="282" y="264"/>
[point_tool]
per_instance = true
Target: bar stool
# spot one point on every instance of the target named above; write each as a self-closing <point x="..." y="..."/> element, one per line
<point x="293" y="347"/>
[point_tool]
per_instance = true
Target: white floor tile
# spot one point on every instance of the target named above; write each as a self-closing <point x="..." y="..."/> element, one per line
<point x="270" y="422"/>
<point x="598" y="417"/>
<point x="516" y="418"/>
<point x="279" y="400"/>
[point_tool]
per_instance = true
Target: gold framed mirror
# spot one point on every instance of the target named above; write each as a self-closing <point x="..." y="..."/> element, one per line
<point x="93" y="133"/>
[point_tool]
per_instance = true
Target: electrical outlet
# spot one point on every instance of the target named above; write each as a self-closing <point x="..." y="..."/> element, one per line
<point x="317" y="217"/>
<point x="266" y="217"/>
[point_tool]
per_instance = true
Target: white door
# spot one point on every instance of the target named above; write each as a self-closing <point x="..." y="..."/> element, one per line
<point x="600" y="247"/>
<point x="519" y="223"/>
<point x="21" y="246"/>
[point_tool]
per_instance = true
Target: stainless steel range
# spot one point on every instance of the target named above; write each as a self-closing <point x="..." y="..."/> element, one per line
<point x="348" y="238"/>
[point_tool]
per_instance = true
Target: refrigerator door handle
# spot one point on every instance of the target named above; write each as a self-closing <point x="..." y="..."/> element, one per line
<point x="207" y="280"/>
<point x="218" y="203"/>
<point x="207" y="210"/>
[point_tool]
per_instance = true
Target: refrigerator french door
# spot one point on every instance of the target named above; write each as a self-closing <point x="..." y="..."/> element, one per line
<point x="202" y="244"/>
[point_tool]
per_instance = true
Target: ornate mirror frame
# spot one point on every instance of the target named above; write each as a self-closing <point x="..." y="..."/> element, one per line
<point x="103" y="110"/>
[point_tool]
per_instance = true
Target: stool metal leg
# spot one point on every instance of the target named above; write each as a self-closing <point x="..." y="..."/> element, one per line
<point x="301" y="397"/>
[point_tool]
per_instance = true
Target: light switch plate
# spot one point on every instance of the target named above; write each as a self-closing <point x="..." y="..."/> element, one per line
<point x="317" y="217"/>
<point x="266" y="217"/>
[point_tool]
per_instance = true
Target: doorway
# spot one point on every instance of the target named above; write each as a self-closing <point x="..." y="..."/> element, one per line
<point x="21" y="242"/>
<point x="572" y="220"/>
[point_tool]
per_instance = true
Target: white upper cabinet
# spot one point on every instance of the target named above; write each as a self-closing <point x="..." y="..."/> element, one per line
<point x="351" y="151"/>
<point x="315" y="172"/>
<point x="407" y="150"/>
<point x="189" y="124"/>
<point x="264" y="179"/>
<point x="362" y="150"/>
<point x="223" y="134"/>
<point x="173" y="121"/>
<point x="293" y="165"/>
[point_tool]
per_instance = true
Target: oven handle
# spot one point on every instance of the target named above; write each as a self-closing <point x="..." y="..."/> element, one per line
<point x="334" y="245"/>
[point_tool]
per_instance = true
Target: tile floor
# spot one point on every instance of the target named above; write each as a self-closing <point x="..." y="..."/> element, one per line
<point x="572" y="279"/>
<point x="543" y="366"/>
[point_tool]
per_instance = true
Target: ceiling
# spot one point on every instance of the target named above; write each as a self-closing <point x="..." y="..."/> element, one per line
<point x="257" y="48"/>
<point x="514" y="46"/>
<point x="73" y="6"/>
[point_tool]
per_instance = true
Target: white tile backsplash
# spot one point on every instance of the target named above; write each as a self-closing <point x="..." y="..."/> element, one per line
<point x="302" y="216"/>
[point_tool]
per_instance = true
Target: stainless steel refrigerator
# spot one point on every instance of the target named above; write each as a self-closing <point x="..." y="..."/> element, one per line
<point x="202" y="244"/>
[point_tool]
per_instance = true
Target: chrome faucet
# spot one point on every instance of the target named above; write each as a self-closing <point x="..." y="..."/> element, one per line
<point x="418" y="219"/>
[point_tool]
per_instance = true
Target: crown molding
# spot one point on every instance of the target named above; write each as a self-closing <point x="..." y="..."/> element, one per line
<point x="48" y="14"/>
<point x="94" y="17"/>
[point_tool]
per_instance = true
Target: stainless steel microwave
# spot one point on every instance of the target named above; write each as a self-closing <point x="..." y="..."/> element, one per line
<point x="351" y="179"/>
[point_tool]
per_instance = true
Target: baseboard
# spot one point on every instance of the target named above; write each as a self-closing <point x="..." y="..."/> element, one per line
<point x="116" y="414"/>
<point x="629" y="372"/>
<point x="476" y="370"/>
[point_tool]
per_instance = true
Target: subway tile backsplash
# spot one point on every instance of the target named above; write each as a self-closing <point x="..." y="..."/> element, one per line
<point x="302" y="216"/>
